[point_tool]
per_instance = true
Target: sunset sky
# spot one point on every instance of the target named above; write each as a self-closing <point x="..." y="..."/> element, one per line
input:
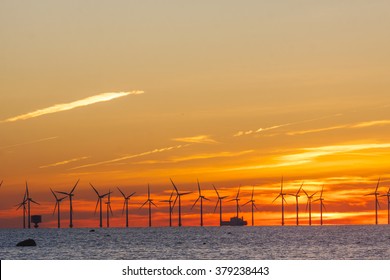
<point x="126" y="93"/>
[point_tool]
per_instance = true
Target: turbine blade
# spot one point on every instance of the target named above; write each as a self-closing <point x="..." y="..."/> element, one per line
<point x="238" y="193"/>
<point x="377" y="185"/>
<point x="174" y="186"/>
<point x="216" y="190"/>
<point x="109" y="207"/>
<point x="55" y="207"/>
<point x="253" y="192"/>
<point x="173" y="206"/>
<point x="123" y="208"/>
<point x="216" y="205"/>
<point x="97" y="204"/>
<point x="170" y="198"/>
<point x="246" y="202"/>
<point x="131" y="194"/>
<point x="255" y="207"/>
<point x="153" y="203"/>
<point x="300" y="188"/>
<point x="305" y="193"/>
<point x="53" y="193"/>
<point x="200" y="192"/>
<point x="95" y="189"/>
<point x="195" y="202"/>
<point x="275" y="198"/>
<point x="185" y="193"/>
<point x="148" y="191"/>
<point x="74" y="186"/>
<point x="33" y="201"/>
<point x="121" y="193"/>
<point x="144" y="204"/>
<point x="62" y="193"/>
<point x="205" y="198"/>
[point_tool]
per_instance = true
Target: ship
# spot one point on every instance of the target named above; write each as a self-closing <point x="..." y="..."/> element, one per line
<point x="234" y="221"/>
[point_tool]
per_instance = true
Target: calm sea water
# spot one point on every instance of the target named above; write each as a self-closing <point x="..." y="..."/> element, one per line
<point x="327" y="242"/>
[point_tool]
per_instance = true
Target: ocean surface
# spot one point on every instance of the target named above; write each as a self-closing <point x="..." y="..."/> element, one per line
<point x="304" y="243"/>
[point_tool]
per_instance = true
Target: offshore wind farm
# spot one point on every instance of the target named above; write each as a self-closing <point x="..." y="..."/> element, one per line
<point x="208" y="127"/>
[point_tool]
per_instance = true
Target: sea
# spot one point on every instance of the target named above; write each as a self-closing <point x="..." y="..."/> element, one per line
<point x="200" y="243"/>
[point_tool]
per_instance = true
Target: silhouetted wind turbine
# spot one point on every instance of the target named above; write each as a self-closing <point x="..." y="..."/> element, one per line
<point x="201" y="197"/>
<point x="70" y="195"/>
<point x="126" y="205"/>
<point x="99" y="201"/>
<point x="308" y="204"/>
<point x="29" y="200"/>
<point x="252" y="201"/>
<point x="150" y="201"/>
<point x="170" y="207"/>
<point x="108" y="203"/>
<point x="281" y="194"/>
<point x="237" y="200"/>
<point x="219" y="201"/>
<point x="296" y="195"/>
<point x="322" y="205"/>
<point x="58" y="203"/>
<point x="23" y="203"/>
<point x="376" y="201"/>
<point x="388" y="205"/>
<point x="178" y="196"/>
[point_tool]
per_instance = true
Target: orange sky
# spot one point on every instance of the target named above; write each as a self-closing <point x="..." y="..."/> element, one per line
<point x="130" y="93"/>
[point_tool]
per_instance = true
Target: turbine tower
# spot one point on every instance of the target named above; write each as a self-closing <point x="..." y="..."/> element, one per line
<point x="296" y="195"/>
<point x="219" y="201"/>
<point x="29" y="200"/>
<point x="308" y="204"/>
<point x="150" y="201"/>
<point x="126" y="205"/>
<point x="99" y="201"/>
<point x="108" y="203"/>
<point x="70" y="194"/>
<point x="322" y="205"/>
<point x="281" y="194"/>
<point x="388" y="205"/>
<point x="200" y="197"/>
<point x="376" y="193"/>
<point x="58" y="203"/>
<point x="237" y="200"/>
<point x="170" y="207"/>
<point x="252" y="202"/>
<point x="178" y="196"/>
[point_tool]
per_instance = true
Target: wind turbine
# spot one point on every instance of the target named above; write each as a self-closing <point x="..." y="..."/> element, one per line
<point x="237" y="200"/>
<point x="58" y="201"/>
<point x="321" y="200"/>
<point x="388" y="205"/>
<point x="150" y="201"/>
<point x="1" y="183"/>
<point x="23" y="203"/>
<point x="29" y="200"/>
<point x="201" y="197"/>
<point x="219" y="201"/>
<point x="99" y="201"/>
<point x="376" y="201"/>
<point x="296" y="195"/>
<point x="108" y="203"/>
<point x="281" y="194"/>
<point x="252" y="201"/>
<point x="126" y="204"/>
<point x="170" y="207"/>
<point x="178" y="196"/>
<point x="70" y="194"/>
<point x="308" y="204"/>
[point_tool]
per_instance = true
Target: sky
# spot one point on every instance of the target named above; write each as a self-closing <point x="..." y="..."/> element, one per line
<point x="130" y="93"/>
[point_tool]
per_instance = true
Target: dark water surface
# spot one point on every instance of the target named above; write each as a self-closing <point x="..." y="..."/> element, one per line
<point x="327" y="242"/>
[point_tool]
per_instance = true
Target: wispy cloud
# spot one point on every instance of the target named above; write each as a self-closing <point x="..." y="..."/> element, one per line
<point x="199" y="157"/>
<point x="63" y="162"/>
<point x="28" y="143"/>
<point x="309" y="154"/>
<point x="72" y="105"/>
<point x="343" y="126"/>
<point x="131" y="156"/>
<point x="201" y="139"/>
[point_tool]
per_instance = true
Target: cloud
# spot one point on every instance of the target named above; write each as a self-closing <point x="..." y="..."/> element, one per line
<point x="199" y="157"/>
<point x="310" y="153"/>
<point x="126" y="157"/>
<point x="72" y="105"/>
<point x="200" y="139"/>
<point x="63" y="162"/>
<point x="241" y="133"/>
<point x="371" y="123"/>
<point x="316" y="130"/>
<point x="28" y="143"/>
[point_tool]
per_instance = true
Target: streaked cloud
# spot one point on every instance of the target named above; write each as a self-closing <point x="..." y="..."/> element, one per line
<point x="241" y="133"/>
<point x="309" y="154"/>
<point x="63" y="162"/>
<point x="72" y="105"/>
<point x="200" y="139"/>
<point x="130" y="156"/>
<point x="30" y="142"/>
<point x="199" y="157"/>
<point x="372" y="123"/>
<point x="316" y="130"/>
